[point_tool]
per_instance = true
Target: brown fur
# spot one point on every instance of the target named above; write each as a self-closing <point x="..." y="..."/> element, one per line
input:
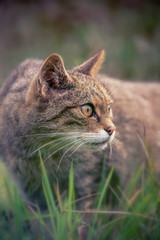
<point x="40" y="99"/>
<point x="136" y="116"/>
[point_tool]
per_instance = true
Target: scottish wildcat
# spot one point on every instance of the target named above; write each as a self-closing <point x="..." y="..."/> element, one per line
<point x="44" y="107"/>
<point x="66" y="115"/>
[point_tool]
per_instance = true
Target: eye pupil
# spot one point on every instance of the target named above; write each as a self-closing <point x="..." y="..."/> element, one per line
<point x="109" y="109"/>
<point x="87" y="110"/>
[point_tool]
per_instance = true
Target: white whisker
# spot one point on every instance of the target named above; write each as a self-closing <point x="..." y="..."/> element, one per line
<point x="110" y="148"/>
<point x="116" y="141"/>
<point x="77" y="148"/>
<point x="58" y="150"/>
<point x="48" y="134"/>
<point x="78" y="141"/>
<point x="46" y="144"/>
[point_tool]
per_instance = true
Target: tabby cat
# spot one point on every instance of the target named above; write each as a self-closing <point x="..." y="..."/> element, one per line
<point x="65" y="115"/>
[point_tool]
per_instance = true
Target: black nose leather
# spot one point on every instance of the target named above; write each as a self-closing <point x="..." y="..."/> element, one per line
<point x="110" y="130"/>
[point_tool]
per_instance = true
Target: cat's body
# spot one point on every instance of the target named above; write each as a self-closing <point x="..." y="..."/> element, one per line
<point x="44" y="107"/>
<point x="42" y="103"/>
<point x="137" y="118"/>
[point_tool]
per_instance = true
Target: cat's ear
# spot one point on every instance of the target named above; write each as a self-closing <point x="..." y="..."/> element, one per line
<point x="53" y="75"/>
<point x="52" y="78"/>
<point x="92" y="65"/>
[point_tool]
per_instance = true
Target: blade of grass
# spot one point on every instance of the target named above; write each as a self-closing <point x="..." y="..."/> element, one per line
<point x="91" y="211"/>
<point x="47" y="185"/>
<point x="71" y="195"/>
<point x="104" y="189"/>
<point x="49" y="196"/>
<point x="134" y="182"/>
<point x="92" y="229"/>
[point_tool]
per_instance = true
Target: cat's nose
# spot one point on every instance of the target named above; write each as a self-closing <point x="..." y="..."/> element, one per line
<point x="110" y="130"/>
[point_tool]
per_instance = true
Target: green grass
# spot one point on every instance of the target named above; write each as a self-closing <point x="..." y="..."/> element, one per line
<point x="131" y="213"/>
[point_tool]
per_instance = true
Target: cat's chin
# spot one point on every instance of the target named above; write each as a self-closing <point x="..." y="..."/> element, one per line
<point x="96" y="146"/>
<point x="98" y="141"/>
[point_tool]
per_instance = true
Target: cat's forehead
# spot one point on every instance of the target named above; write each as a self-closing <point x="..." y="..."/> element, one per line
<point x="91" y="90"/>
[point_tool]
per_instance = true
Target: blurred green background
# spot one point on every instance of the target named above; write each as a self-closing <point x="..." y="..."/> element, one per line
<point x="129" y="31"/>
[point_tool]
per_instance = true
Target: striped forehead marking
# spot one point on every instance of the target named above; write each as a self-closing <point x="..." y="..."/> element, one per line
<point x="102" y="94"/>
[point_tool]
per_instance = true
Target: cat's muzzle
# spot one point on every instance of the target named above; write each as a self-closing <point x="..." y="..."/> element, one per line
<point x="98" y="140"/>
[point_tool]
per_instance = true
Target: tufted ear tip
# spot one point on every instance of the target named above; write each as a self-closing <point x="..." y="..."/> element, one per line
<point x="92" y="65"/>
<point x="101" y="54"/>
<point x="99" y="58"/>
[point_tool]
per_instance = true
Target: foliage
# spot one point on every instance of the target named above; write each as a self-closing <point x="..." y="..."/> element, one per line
<point x="77" y="30"/>
<point x="134" y="216"/>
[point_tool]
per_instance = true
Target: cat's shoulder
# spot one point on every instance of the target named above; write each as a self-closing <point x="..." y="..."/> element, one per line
<point x="20" y="76"/>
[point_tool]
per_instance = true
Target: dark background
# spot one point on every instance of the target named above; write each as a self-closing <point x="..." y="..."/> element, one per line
<point x="129" y="31"/>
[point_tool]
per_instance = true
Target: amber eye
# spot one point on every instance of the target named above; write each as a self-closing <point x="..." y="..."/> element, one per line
<point x="87" y="110"/>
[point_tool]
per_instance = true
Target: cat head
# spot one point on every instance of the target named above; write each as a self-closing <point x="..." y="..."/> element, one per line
<point x="73" y="102"/>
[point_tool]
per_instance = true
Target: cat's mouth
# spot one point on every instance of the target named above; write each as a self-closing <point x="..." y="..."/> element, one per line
<point x="98" y="140"/>
<point x="98" y="146"/>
